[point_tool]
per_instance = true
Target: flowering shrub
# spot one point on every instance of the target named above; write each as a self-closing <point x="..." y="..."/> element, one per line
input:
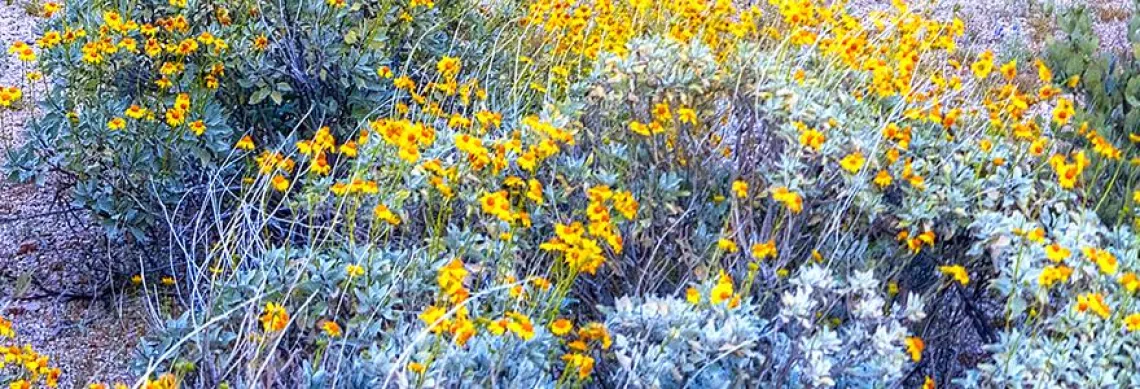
<point x="146" y="103"/>
<point x="670" y="342"/>
<point x="578" y="193"/>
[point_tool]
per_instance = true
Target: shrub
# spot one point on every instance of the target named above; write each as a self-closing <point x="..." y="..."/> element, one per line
<point x="518" y="194"/>
<point x="147" y="100"/>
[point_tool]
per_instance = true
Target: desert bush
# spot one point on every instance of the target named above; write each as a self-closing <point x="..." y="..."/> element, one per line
<point x="590" y="193"/>
<point x="147" y="101"/>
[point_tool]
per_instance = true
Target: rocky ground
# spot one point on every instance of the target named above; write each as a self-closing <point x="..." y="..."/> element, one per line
<point x="50" y="255"/>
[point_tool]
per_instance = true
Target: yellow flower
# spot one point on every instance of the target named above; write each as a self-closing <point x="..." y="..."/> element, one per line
<point x="384" y="72"/>
<point x="331" y="329"/>
<point x="534" y="191"/>
<point x="584" y="364"/>
<point x="1063" y="111"/>
<point x="117" y="123"/>
<point x="1038" y="146"/>
<point x="1132" y="322"/>
<point x="764" y="250"/>
<point x="541" y="283"/>
<point x="462" y="330"/>
<point x="561" y="327"/>
<point x="245" y="143"/>
<point x="6" y="328"/>
<point x="280" y="183"/>
<point x="792" y="200"/>
<point x="723" y="290"/>
<point x="853" y="162"/>
<point x="928" y="383"/>
<point x="914" y="347"/>
<point x="433" y="317"/>
<point x="348" y="149"/>
<point x="1043" y="73"/>
<point x="927" y="237"/>
<point x="497" y="204"/>
<point x="175" y="117"/>
<point x="1009" y="70"/>
<point x="27" y="55"/>
<point x="9" y="95"/>
<point x="383" y="213"/>
<point x="812" y="139"/>
<point x="416" y="367"/>
<point x="1056" y="253"/>
<point x="638" y="128"/>
<point x="450" y="279"/>
<point x="136" y="112"/>
<point x="693" y="296"/>
<point x="198" y="127"/>
<point x="883" y="179"/>
<point x="403" y="82"/>
<point x="1073" y="81"/>
<point x="50" y="8"/>
<point x="1103" y="259"/>
<point x="260" y="42"/>
<point x="354" y="270"/>
<point x="984" y="65"/>
<point x="957" y="272"/>
<point x="661" y="113"/>
<point x="1050" y="275"/>
<point x="274" y="318"/>
<point x="687" y="115"/>
<point x="1037" y="235"/>
<point x="520" y="325"/>
<point x="726" y="245"/>
<point x="1130" y="282"/>
<point x="448" y="67"/>
<point x="1095" y="303"/>
<point x="740" y="188"/>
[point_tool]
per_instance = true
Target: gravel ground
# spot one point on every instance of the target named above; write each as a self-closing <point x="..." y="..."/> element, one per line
<point x="1022" y="24"/>
<point x="47" y="262"/>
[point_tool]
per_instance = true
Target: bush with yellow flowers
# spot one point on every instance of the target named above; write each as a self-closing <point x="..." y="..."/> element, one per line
<point x="592" y="193"/>
<point x="149" y="109"/>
